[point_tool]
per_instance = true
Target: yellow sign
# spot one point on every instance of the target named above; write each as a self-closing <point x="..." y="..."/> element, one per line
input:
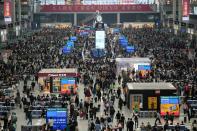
<point x="152" y="103"/>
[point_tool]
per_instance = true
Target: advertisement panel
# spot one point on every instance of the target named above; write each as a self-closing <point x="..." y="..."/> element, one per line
<point x="186" y="6"/>
<point x="68" y="85"/>
<point x="136" y="101"/>
<point x="100" y="39"/>
<point x="7" y="11"/>
<point x="152" y="103"/>
<point x="169" y="104"/>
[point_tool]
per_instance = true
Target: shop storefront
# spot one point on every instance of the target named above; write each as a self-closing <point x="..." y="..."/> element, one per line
<point x="153" y="97"/>
<point x="62" y="81"/>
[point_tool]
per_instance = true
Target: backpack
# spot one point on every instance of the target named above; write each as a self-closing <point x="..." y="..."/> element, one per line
<point x="80" y="105"/>
<point x="109" y="120"/>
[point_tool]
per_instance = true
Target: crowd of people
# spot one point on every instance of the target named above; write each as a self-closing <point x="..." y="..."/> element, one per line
<point x="169" y="54"/>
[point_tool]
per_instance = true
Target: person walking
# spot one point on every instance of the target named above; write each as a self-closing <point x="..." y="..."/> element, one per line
<point x="29" y="116"/>
<point x="136" y="120"/>
<point x="130" y="124"/>
<point x="158" y="117"/>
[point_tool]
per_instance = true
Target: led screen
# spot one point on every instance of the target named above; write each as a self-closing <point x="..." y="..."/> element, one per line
<point x="100" y="39"/>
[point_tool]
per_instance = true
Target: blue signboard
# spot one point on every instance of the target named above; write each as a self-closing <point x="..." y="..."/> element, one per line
<point x="116" y="30"/>
<point x="84" y="33"/>
<point x="169" y="100"/>
<point x="144" y="67"/>
<point x="73" y="38"/>
<point x="70" y="44"/>
<point x="66" y="50"/>
<point x="130" y="49"/>
<point x="59" y="116"/>
<point x="67" y="81"/>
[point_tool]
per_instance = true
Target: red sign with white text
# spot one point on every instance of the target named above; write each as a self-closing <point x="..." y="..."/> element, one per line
<point x="185" y="7"/>
<point x="94" y="8"/>
<point x="7" y="8"/>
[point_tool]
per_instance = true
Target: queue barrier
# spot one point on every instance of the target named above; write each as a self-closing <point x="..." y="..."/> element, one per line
<point x="193" y="103"/>
<point x="49" y="103"/>
<point x="39" y="107"/>
<point x="147" y="114"/>
<point x="2" y="113"/>
<point x="31" y="128"/>
<point x="172" y="127"/>
<point x="5" y="108"/>
<point x="36" y="113"/>
<point x="11" y="104"/>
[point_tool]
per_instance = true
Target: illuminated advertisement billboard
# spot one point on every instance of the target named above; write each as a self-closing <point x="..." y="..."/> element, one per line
<point x="169" y="104"/>
<point x="7" y="11"/>
<point x="67" y="84"/>
<point x="185" y="7"/>
<point x="100" y="39"/>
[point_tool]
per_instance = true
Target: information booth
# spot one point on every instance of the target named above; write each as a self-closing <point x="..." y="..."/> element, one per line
<point x="159" y="96"/>
<point x="62" y="81"/>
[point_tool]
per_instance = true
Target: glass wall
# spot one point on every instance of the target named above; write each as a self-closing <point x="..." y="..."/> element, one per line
<point x="138" y="17"/>
<point x="54" y="18"/>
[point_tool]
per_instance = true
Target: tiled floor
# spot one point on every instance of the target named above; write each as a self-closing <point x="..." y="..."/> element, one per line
<point x="83" y="124"/>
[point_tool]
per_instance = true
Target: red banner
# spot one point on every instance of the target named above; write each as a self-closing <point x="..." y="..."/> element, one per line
<point x="58" y="74"/>
<point x="185" y="8"/>
<point x="94" y="8"/>
<point x="7" y="8"/>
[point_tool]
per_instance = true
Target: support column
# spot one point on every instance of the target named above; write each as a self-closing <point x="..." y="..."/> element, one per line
<point x="75" y="18"/>
<point x="118" y="17"/>
<point x="19" y="16"/>
<point x="174" y="9"/>
<point x="13" y="12"/>
<point x="180" y="11"/>
<point x="19" y="11"/>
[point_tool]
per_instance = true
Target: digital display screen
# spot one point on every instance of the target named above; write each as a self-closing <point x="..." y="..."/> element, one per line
<point x="170" y="104"/>
<point x="59" y="117"/>
<point x="100" y="39"/>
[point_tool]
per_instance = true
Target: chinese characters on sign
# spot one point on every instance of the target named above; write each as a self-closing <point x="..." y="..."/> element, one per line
<point x="94" y="8"/>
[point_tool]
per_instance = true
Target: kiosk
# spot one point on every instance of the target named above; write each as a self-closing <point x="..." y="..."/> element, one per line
<point x="159" y="96"/>
<point x="62" y="81"/>
<point x="136" y="63"/>
<point x="139" y="64"/>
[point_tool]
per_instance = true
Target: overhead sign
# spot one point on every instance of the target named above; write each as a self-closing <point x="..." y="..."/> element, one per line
<point x="94" y="8"/>
<point x="7" y="11"/>
<point x="100" y="39"/>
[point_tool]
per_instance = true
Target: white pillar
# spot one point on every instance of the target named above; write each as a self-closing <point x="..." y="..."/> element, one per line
<point x="180" y="11"/>
<point x="118" y="17"/>
<point x="174" y="10"/>
<point x="75" y="18"/>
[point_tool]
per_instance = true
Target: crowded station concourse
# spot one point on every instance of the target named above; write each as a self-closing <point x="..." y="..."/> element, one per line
<point x="55" y="80"/>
